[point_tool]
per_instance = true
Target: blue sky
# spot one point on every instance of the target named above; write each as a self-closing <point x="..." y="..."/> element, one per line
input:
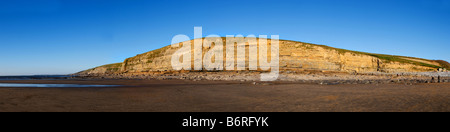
<point x="67" y="36"/>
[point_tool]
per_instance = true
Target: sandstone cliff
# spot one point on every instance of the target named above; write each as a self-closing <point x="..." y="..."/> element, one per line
<point x="294" y="56"/>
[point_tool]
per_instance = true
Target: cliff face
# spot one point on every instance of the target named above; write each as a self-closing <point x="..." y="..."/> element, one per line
<point x="294" y="56"/>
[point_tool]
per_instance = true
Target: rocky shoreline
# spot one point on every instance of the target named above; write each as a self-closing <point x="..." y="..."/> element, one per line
<point x="322" y="78"/>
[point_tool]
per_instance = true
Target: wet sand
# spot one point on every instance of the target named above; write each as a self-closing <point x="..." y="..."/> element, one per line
<point x="224" y="96"/>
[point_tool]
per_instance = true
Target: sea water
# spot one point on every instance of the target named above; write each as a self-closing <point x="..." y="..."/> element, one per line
<point x="45" y="77"/>
<point x="36" y="77"/>
<point x="52" y="85"/>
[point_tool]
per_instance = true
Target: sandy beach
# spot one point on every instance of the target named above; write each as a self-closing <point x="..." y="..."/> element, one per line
<point x="224" y="96"/>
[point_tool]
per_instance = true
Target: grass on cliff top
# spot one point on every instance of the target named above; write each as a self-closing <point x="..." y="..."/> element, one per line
<point x="444" y="64"/>
<point x="110" y="67"/>
<point x="115" y="65"/>
<point x="149" y="55"/>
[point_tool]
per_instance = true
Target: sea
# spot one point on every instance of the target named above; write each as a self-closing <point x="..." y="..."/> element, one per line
<point x="37" y="77"/>
<point x="44" y="77"/>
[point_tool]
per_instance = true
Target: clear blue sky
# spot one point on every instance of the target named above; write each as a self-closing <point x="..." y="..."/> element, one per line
<point x="67" y="36"/>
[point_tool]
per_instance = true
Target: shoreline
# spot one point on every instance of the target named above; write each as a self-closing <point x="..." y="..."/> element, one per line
<point x="327" y="78"/>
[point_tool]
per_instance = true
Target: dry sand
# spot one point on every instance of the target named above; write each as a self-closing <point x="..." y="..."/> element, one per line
<point x="224" y="96"/>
